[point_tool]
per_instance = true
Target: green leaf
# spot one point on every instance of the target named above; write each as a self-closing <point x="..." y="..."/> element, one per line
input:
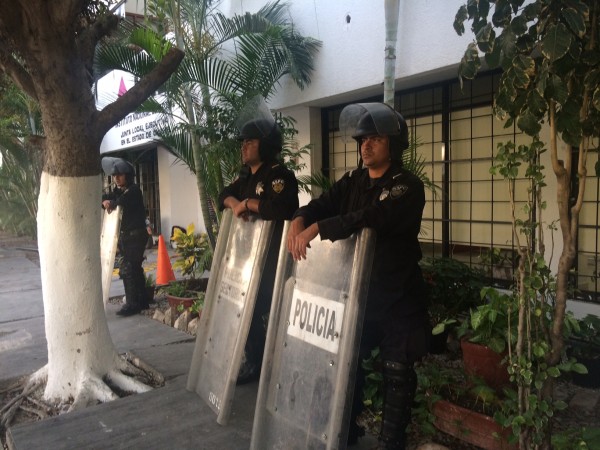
<point x="557" y="90"/>
<point x="438" y="329"/>
<point x="492" y="59"/>
<point x="502" y="13"/>
<point x="536" y="103"/>
<point x="476" y="319"/>
<point x="553" y="372"/>
<point x="590" y="57"/>
<point x="557" y="41"/>
<point x="507" y="40"/>
<point x="575" y="19"/>
<point x="485" y="38"/>
<point x="579" y="368"/>
<point x="519" y="24"/>
<point x="592" y="79"/>
<point x="469" y="64"/>
<point x="529" y="124"/>
<point x="459" y="20"/>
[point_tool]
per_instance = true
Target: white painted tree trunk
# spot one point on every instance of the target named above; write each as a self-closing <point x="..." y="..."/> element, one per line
<point x="392" y="8"/>
<point x="80" y="350"/>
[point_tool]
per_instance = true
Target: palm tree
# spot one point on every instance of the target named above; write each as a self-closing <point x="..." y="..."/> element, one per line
<point x="202" y="99"/>
<point x="20" y="160"/>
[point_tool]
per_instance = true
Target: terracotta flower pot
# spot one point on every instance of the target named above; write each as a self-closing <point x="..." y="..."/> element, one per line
<point x="471" y="427"/>
<point x="174" y="302"/>
<point x="481" y="361"/>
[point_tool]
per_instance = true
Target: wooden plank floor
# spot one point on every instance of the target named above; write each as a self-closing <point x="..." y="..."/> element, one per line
<point x="166" y="418"/>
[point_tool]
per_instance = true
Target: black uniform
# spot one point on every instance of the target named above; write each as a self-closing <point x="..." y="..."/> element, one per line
<point x="132" y="243"/>
<point x="276" y="188"/>
<point x="396" y="311"/>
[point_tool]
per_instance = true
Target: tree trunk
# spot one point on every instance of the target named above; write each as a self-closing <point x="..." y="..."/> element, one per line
<point x="80" y="350"/>
<point x="392" y="8"/>
<point x="50" y="58"/>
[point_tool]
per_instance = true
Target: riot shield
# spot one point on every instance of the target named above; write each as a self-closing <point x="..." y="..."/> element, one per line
<point x="111" y="224"/>
<point x="235" y="275"/>
<point x="308" y="371"/>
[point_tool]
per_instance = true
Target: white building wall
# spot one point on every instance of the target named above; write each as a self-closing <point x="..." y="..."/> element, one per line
<point x="350" y="62"/>
<point x="179" y="198"/>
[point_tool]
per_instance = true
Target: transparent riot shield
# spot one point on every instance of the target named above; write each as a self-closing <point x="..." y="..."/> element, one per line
<point x="111" y="224"/>
<point x="308" y="371"/>
<point x="235" y="275"/>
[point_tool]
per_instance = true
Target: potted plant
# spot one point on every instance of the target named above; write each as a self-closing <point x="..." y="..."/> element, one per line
<point x="196" y="307"/>
<point x="194" y="255"/>
<point x="485" y="334"/>
<point x="450" y="401"/>
<point x="150" y="286"/>
<point x="584" y="345"/>
<point x="177" y="293"/>
<point x="453" y="288"/>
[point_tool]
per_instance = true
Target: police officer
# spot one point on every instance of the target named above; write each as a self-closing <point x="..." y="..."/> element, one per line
<point x="381" y="195"/>
<point x="133" y="234"/>
<point x="267" y="188"/>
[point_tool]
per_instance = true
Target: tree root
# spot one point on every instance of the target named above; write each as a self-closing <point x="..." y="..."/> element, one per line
<point x="154" y="374"/>
<point x="8" y="411"/>
<point x="119" y="380"/>
<point x="94" y="389"/>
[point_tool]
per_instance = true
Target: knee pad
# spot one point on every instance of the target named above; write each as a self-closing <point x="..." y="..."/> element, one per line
<point x="126" y="269"/>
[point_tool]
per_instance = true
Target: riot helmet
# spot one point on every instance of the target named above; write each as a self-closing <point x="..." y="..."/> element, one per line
<point x="255" y="121"/>
<point x="118" y="166"/>
<point x="268" y="133"/>
<point x="367" y="119"/>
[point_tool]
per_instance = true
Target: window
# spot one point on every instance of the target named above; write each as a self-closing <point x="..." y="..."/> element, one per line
<point x="469" y="218"/>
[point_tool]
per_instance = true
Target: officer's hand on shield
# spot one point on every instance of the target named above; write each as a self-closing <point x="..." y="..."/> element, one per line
<point x="107" y="206"/>
<point x="241" y="210"/>
<point x="298" y="238"/>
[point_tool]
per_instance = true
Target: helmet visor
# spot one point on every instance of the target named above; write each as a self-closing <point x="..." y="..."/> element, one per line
<point x="255" y="120"/>
<point x="364" y="119"/>
<point x="116" y="166"/>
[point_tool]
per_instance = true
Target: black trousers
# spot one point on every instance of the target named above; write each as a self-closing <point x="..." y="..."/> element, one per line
<point x="132" y="245"/>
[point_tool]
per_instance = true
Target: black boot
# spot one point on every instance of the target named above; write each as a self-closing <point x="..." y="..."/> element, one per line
<point x="250" y="367"/>
<point x="400" y="385"/>
<point x="131" y="306"/>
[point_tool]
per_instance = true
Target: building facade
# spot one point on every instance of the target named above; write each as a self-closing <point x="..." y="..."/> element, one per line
<point x="456" y="131"/>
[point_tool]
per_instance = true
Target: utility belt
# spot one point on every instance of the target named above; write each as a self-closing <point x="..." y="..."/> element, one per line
<point x="136" y="232"/>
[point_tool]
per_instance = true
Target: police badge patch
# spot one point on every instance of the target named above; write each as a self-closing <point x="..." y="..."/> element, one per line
<point x="384" y="194"/>
<point x="260" y="188"/>
<point x="398" y="191"/>
<point x="278" y="184"/>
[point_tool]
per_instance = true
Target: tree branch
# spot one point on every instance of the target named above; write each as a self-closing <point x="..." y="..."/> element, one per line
<point x="117" y="110"/>
<point x="89" y="38"/>
<point x="10" y="66"/>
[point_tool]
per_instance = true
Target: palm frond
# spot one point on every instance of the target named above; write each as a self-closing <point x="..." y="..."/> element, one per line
<point x="177" y="139"/>
<point x="137" y="53"/>
<point x="308" y="183"/>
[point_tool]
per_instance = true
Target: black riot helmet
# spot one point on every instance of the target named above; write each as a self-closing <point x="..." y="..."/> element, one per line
<point x="255" y="121"/>
<point x="118" y="166"/>
<point x="367" y="119"/>
<point x="269" y="134"/>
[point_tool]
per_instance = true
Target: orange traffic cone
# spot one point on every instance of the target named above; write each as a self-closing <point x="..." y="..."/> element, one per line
<point x="164" y="271"/>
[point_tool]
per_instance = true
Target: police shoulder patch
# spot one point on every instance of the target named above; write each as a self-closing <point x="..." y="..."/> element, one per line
<point x="278" y="184"/>
<point x="260" y="188"/>
<point x="398" y="190"/>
